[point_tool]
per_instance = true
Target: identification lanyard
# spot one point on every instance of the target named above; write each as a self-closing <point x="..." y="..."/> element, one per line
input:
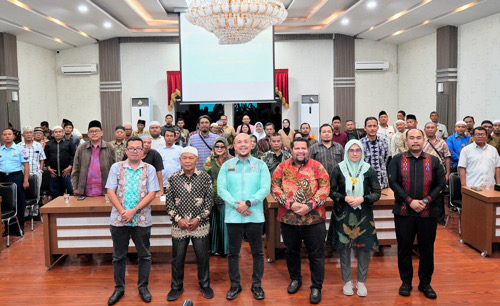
<point x="353" y="180"/>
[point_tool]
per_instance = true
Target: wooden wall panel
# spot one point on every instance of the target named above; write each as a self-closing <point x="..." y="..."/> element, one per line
<point x="9" y="81"/>
<point x="344" y="78"/>
<point x="446" y="73"/>
<point x="110" y="86"/>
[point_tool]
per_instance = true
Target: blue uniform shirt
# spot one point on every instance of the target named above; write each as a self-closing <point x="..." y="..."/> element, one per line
<point x="12" y="159"/>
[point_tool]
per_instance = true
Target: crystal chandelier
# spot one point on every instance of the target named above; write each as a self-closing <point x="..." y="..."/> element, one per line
<point x="236" y="21"/>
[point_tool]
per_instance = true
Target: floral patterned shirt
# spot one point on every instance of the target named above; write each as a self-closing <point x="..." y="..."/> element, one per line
<point x="131" y="186"/>
<point x="306" y="184"/>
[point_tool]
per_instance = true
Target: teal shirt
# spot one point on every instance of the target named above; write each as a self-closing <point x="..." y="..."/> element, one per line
<point x="240" y="181"/>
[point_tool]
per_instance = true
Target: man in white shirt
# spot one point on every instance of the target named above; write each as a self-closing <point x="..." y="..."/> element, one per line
<point x="157" y="141"/>
<point x="442" y="131"/>
<point x="479" y="162"/>
<point x="170" y="154"/>
<point x="384" y="128"/>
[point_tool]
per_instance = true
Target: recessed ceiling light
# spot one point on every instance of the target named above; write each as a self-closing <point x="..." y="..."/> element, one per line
<point x="107" y="25"/>
<point x="371" y="4"/>
<point x="345" y="21"/>
<point x="83" y="8"/>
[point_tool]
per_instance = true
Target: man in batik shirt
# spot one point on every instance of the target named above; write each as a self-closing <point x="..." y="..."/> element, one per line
<point x="376" y="150"/>
<point x="300" y="186"/>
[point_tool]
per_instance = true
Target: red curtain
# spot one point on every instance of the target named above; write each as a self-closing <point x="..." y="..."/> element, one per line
<point x="174" y="87"/>
<point x="280" y="77"/>
<point x="281" y="82"/>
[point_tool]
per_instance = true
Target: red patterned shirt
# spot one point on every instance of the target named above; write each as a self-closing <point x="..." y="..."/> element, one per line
<point x="306" y="184"/>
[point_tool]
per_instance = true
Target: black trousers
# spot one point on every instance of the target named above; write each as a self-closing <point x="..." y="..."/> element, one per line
<point x="425" y="230"/>
<point x="201" y="249"/>
<point x="234" y="237"/>
<point x="17" y="179"/>
<point x="314" y="240"/>
<point x="140" y="236"/>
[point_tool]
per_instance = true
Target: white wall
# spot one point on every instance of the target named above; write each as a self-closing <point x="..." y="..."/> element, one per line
<point x="310" y="71"/>
<point x="37" y="84"/>
<point x="376" y="91"/>
<point x="417" y="77"/>
<point x="479" y="69"/>
<point x="78" y="97"/>
<point x="144" y="73"/>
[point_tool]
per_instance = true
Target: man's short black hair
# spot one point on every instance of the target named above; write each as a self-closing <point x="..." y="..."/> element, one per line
<point x="270" y="124"/>
<point x="336" y="118"/>
<point x="119" y="127"/>
<point x="469" y="117"/>
<point x="486" y="121"/>
<point x="408" y="132"/>
<point x="370" y="118"/>
<point x="169" y="115"/>
<point x="204" y="117"/>
<point x="349" y="120"/>
<point x="402" y="112"/>
<point x="325" y="125"/>
<point x="170" y="130"/>
<point x="479" y="128"/>
<point x="299" y="139"/>
<point x="382" y="113"/>
<point x="9" y="128"/>
<point x="275" y="135"/>
<point x="135" y="138"/>
<point x="433" y="112"/>
<point x="305" y="124"/>
<point x="180" y="119"/>
<point x="44" y="124"/>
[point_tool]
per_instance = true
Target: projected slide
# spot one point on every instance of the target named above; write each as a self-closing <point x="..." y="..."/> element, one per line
<point x="225" y="73"/>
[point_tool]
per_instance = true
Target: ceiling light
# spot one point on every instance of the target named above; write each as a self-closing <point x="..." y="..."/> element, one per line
<point x="371" y="4"/>
<point x="83" y="8"/>
<point x="107" y="25"/>
<point x="236" y="21"/>
<point x="345" y="21"/>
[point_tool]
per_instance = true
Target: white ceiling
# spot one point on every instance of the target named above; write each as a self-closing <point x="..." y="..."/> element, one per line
<point x="35" y="22"/>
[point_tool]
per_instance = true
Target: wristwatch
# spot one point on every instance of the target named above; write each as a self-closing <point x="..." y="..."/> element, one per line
<point x="137" y="210"/>
<point x="249" y="204"/>
<point x="426" y="201"/>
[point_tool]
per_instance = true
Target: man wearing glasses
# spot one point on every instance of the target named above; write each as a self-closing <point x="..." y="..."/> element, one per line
<point x="479" y="162"/>
<point x="92" y="163"/>
<point x="131" y="186"/>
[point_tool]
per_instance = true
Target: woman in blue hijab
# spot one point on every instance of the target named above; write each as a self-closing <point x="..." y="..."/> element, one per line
<point x="354" y="189"/>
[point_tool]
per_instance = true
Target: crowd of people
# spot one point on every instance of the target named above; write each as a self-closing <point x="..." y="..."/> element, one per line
<point x="215" y="180"/>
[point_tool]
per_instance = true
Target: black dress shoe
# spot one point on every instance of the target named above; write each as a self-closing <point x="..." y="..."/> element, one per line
<point x="428" y="291"/>
<point x="117" y="295"/>
<point x="405" y="289"/>
<point x="258" y="293"/>
<point x="207" y="292"/>
<point x="294" y="286"/>
<point x="174" y="294"/>
<point x="233" y="293"/>
<point x="315" y="297"/>
<point x="145" y="295"/>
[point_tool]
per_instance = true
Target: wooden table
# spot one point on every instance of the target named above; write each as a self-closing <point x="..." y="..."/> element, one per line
<point x="382" y="215"/>
<point x="82" y="227"/>
<point x="481" y="218"/>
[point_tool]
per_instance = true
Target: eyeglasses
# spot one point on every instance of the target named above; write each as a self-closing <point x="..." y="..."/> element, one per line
<point x="354" y="151"/>
<point x="480" y="135"/>
<point x="220" y="147"/>
<point x="94" y="131"/>
<point x="135" y="149"/>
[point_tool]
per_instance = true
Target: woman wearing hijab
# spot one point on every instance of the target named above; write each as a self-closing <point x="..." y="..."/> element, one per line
<point x="259" y="131"/>
<point x="287" y="134"/>
<point x="218" y="229"/>
<point x="254" y="147"/>
<point x="354" y="189"/>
